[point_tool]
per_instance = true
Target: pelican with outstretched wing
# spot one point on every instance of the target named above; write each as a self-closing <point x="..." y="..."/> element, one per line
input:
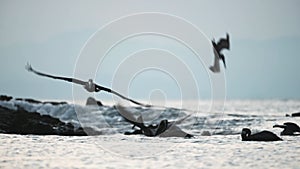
<point x="164" y="129"/>
<point x="89" y="85"/>
<point x="218" y="47"/>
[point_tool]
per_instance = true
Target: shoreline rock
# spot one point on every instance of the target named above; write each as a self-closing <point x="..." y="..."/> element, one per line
<point x="22" y="122"/>
<point x="5" y="98"/>
<point x="93" y="101"/>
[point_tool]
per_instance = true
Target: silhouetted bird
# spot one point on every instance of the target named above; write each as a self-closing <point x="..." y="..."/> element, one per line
<point x="289" y="129"/>
<point x="261" y="136"/>
<point x="163" y="129"/>
<point x="218" y="47"/>
<point x="90" y="86"/>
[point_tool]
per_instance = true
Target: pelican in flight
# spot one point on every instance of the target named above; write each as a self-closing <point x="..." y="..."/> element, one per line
<point x="89" y="85"/>
<point x="218" y="47"/>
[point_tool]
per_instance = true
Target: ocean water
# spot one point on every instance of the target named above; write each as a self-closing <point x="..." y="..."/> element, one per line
<point x="112" y="149"/>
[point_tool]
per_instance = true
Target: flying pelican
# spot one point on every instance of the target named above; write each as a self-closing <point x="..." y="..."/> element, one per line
<point x="218" y="47"/>
<point x="90" y="86"/>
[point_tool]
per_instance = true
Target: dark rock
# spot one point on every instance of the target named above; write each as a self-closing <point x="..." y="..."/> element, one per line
<point x="29" y="100"/>
<point x="22" y="122"/>
<point x="5" y="98"/>
<point x="55" y="103"/>
<point x="93" y="101"/>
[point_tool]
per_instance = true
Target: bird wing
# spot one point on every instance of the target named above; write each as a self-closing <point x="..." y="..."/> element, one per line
<point x="128" y="116"/>
<point x="223" y="43"/>
<point x="73" y="80"/>
<point x="216" y="67"/>
<point x="173" y="131"/>
<point x="184" y="118"/>
<point x="223" y="59"/>
<point x="77" y="81"/>
<point x="98" y="87"/>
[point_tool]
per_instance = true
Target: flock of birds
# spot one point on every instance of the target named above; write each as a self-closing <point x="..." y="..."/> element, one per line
<point x="170" y="129"/>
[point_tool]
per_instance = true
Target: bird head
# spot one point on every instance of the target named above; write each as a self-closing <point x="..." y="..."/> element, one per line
<point x="90" y="83"/>
<point x="90" y="86"/>
<point x="28" y="67"/>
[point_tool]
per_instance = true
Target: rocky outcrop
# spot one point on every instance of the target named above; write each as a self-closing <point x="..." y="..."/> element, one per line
<point x="93" y="101"/>
<point x="22" y="122"/>
<point x="5" y="98"/>
<point x="19" y="121"/>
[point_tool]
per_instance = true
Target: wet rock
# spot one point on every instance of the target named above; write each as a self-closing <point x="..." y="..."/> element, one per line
<point x="205" y="133"/>
<point x="93" y="101"/>
<point x="55" y="103"/>
<point x="22" y="122"/>
<point x="29" y="100"/>
<point x="5" y="98"/>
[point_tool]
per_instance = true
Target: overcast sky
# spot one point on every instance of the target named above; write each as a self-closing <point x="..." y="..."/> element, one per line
<point x="263" y="62"/>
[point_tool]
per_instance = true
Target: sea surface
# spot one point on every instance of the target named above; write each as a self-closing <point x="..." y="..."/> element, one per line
<point x="222" y="149"/>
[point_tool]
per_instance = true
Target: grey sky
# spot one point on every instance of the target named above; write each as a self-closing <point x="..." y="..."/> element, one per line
<point x="262" y="63"/>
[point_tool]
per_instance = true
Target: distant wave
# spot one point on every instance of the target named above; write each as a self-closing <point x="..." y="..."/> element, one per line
<point x="95" y="119"/>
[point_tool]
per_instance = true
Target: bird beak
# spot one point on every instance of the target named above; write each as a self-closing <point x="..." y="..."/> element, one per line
<point x="279" y="126"/>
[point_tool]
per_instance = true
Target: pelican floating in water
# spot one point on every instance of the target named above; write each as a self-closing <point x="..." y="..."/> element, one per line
<point x="218" y="47"/>
<point x="163" y="129"/>
<point x="89" y="85"/>
<point x="261" y="136"/>
<point x="289" y="129"/>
